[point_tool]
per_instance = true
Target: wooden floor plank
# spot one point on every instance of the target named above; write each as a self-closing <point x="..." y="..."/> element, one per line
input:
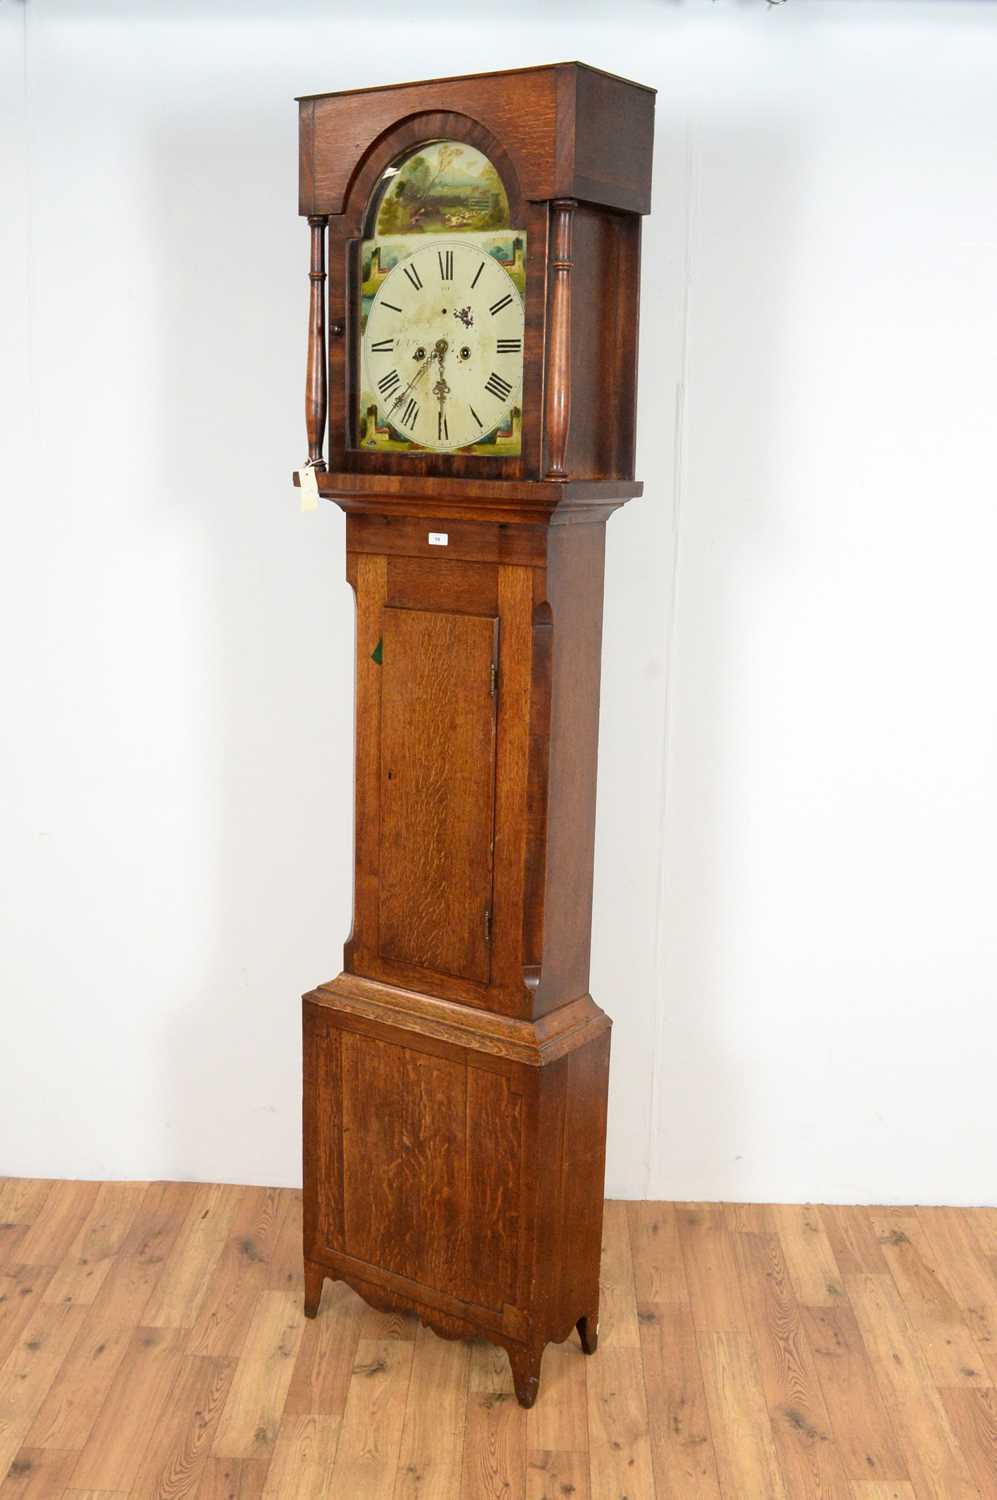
<point x="682" y="1456"/>
<point x="973" y="1416"/>
<point x="809" y="1458"/>
<point x="234" y="1478"/>
<point x="303" y="1459"/>
<point x="371" y="1431"/>
<point x="967" y="1275"/>
<point x="952" y="1353"/>
<point x="250" y="1421"/>
<point x="324" y="1366"/>
<point x="29" y="1369"/>
<point x="556" y="1476"/>
<point x="142" y="1258"/>
<point x="862" y="1428"/>
<point x="377" y="1324"/>
<point x="656" y="1252"/>
<point x="100" y="1237"/>
<point x="286" y="1268"/>
<point x="435" y="1414"/>
<point x="812" y="1267"/>
<point x="559" y="1420"/>
<point x="493" y="1463"/>
<point x="751" y="1218"/>
<point x="885" y="1489"/>
<point x="21" y="1200"/>
<point x="180" y="1442"/>
<point x="853" y="1240"/>
<point x="617" y="1302"/>
<point x="935" y="1462"/>
<point x="21" y="1293"/>
<point x="95" y="1495"/>
<point x="742" y="1435"/>
<point x="137" y="1400"/>
<point x="37" y="1474"/>
<point x="79" y="1390"/>
<point x="178" y="1294"/>
<point x="710" y="1268"/>
<point x="983" y="1226"/>
<point x="241" y="1271"/>
<point x="155" y="1349"/>
<point x="57" y="1223"/>
<point x="620" y="1466"/>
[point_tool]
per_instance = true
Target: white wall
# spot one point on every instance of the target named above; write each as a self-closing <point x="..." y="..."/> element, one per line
<point x="795" y="916"/>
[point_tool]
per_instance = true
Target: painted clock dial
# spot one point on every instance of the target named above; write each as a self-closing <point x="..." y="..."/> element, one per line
<point x="441" y="299"/>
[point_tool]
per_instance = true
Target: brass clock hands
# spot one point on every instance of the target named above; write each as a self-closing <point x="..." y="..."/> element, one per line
<point x="441" y="391"/>
<point x="419" y="375"/>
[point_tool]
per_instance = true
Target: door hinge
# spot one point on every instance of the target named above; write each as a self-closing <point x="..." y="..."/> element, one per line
<point x="493" y="683"/>
<point x="488" y="924"/>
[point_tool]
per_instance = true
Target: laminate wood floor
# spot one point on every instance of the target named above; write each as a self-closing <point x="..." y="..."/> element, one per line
<point x="152" y="1345"/>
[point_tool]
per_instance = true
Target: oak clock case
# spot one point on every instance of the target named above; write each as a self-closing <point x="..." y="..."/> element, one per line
<point x="470" y="397"/>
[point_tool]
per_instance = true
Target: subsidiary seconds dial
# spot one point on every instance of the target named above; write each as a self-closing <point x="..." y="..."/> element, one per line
<point x="443" y="346"/>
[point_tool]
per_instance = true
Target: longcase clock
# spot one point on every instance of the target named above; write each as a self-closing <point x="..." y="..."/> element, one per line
<point x="470" y="399"/>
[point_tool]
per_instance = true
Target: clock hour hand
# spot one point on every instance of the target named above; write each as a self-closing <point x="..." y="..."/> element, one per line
<point x="441" y="391"/>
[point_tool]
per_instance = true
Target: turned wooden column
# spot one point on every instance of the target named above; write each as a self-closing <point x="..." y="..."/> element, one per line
<point x="559" y="367"/>
<point x="316" y="379"/>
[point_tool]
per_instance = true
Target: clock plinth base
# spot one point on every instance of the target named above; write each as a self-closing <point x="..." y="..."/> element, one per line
<point x="454" y="1165"/>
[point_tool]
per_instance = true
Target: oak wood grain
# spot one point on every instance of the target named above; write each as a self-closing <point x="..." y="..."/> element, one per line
<point x="144" y="1255"/>
<point x="812" y="1267"/>
<point x="31" y="1366"/>
<point x="493" y="1464"/>
<point x="437" y="761"/>
<point x="179" y="1444"/>
<point x="371" y="1431"/>
<point x="809" y="1458"/>
<point x="618" y="1324"/>
<point x="935" y="1462"/>
<point x="972" y="1414"/>
<point x="21" y="1201"/>
<point x="968" y="1274"/>
<point x="656" y="1251"/>
<point x="304" y="1457"/>
<point x="949" y="1347"/>
<point x="37" y="1474"/>
<point x="57" y="1224"/>
<point x="747" y="1460"/>
<point x="682" y="1453"/>
<point x="79" y="1390"/>
<point x="711" y="1268"/>
<point x="557" y="1475"/>
<point x="862" y="1428"/>
<point x="250" y="1421"/>
<point x="619" y="1437"/>
<point x="241" y="1270"/>
<point x="180" y="1289"/>
<point x="780" y="1407"/>
<point x="136" y="1402"/>
<point x="21" y="1293"/>
<point x="435" y="1413"/>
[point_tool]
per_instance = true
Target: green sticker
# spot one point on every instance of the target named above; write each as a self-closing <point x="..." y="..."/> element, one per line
<point x="378" y="652"/>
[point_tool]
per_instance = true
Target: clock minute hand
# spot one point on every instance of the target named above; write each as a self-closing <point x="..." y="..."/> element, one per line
<point x="419" y="374"/>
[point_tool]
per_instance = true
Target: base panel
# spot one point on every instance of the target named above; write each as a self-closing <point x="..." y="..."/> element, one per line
<point x="454" y="1181"/>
